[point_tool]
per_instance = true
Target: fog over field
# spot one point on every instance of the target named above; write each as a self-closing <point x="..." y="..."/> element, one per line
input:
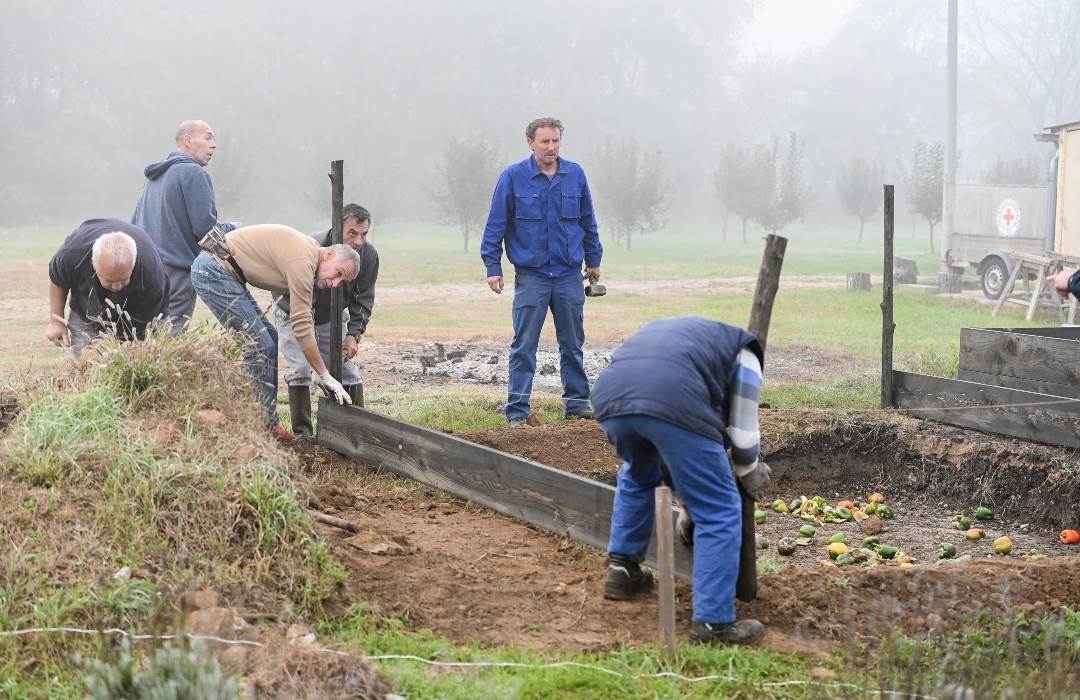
<point x="415" y="95"/>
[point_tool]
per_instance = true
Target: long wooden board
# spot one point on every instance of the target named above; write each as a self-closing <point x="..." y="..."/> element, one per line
<point x="1036" y="358"/>
<point x="1036" y="386"/>
<point x="1024" y="414"/>
<point x="551" y="499"/>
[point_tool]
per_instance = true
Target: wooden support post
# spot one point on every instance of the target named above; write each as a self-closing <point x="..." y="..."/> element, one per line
<point x="858" y="281"/>
<point x="772" y="260"/>
<point x="337" y="201"/>
<point x="665" y="554"/>
<point x="767" y="282"/>
<point x="887" y="324"/>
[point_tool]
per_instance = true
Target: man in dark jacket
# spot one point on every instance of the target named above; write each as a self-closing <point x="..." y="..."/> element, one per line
<point x="177" y="208"/>
<point x="111" y="276"/>
<point x="359" y="302"/>
<point x="681" y="391"/>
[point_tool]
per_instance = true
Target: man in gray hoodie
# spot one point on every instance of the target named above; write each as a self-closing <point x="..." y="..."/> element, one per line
<point x="176" y="208"/>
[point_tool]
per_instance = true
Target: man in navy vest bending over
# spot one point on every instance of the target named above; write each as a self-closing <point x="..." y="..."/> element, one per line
<point x="681" y="391"/>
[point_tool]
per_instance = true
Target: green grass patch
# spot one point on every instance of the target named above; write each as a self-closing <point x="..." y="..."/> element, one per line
<point x="626" y="673"/>
<point x="457" y="408"/>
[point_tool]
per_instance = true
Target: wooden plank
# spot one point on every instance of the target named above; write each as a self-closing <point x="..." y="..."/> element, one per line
<point x="1031" y="357"/>
<point x="1023" y="414"/>
<point x="1046" y="332"/>
<point x="551" y="499"/>
<point x="665" y="539"/>
<point x="967" y="375"/>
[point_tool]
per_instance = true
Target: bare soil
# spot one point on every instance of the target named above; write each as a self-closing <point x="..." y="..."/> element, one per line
<point x="473" y="575"/>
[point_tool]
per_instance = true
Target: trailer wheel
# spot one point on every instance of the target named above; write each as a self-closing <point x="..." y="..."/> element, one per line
<point x="995" y="273"/>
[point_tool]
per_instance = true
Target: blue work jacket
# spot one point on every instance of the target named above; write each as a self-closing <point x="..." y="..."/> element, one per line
<point x="547" y="225"/>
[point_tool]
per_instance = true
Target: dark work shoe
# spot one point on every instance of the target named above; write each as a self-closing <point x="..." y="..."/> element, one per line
<point x="625" y="578"/>
<point x="586" y="414"/>
<point x="745" y="631"/>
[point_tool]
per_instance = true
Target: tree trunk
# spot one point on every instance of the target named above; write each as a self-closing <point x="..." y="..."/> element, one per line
<point x="862" y="225"/>
<point x="629" y="235"/>
<point x="723" y="230"/>
<point x="744" y="230"/>
<point x="931" y="238"/>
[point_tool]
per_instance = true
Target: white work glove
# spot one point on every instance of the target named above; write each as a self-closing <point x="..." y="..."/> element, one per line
<point x="333" y="388"/>
<point x="684" y="526"/>
<point x="756" y="479"/>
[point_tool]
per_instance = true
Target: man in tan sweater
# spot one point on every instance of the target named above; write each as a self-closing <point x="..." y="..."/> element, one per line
<point x="280" y="260"/>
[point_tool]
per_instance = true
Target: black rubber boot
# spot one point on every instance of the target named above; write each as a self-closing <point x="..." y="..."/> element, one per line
<point x="300" y="409"/>
<point x="625" y="578"/>
<point x="745" y="631"/>
<point x="356" y="393"/>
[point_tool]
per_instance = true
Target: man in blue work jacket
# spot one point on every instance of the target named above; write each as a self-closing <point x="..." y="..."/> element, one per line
<point x="542" y="214"/>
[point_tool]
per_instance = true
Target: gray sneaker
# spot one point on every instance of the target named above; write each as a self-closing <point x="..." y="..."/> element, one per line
<point x="745" y="631"/>
<point x="517" y="423"/>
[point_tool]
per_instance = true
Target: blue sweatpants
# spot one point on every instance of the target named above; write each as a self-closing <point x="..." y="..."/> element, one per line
<point x="533" y="296"/>
<point x="703" y="481"/>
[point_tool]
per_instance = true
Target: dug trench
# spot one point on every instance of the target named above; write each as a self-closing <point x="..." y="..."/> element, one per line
<point x="472" y="575"/>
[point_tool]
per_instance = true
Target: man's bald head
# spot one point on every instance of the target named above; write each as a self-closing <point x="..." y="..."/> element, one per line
<point x="195" y="138"/>
<point x="113" y="258"/>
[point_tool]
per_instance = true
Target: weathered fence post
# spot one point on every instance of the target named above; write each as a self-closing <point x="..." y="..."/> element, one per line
<point x="887" y="325"/>
<point x="760" y="315"/>
<point x="665" y="555"/>
<point x="337" y="196"/>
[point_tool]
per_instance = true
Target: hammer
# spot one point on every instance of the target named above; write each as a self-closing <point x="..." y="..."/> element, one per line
<point x="593" y="289"/>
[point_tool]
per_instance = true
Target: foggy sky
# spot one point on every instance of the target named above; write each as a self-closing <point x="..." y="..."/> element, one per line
<point x="90" y="93"/>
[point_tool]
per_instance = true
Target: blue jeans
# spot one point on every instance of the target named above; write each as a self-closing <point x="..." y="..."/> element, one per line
<point x="236" y="309"/>
<point x="533" y="296"/>
<point x="703" y="481"/>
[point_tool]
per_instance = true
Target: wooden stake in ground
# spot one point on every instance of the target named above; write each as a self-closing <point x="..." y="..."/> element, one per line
<point x="665" y="554"/>
<point x="887" y="324"/>
<point x="337" y="199"/>
<point x="767" y="283"/>
<point x="760" y="314"/>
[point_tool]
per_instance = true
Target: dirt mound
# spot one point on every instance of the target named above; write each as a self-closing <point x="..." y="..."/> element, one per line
<point x="852" y="603"/>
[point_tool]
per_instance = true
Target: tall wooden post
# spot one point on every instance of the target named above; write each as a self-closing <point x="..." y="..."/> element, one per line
<point x="767" y="282"/>
<point x="665" y="555"/>
<point x="887" y="325"/>
<point x="760" y="315"/>
<point x="337" y="201"/>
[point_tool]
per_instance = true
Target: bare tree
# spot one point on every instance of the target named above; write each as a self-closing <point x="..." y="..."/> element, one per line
<point x="732" y="184"/>
<point x="779" y="193"/>
<point x="465" y="176"/>
<point x="858" y="186"/>
<point x="632" y="188"/>
<point x="926" y="177"/>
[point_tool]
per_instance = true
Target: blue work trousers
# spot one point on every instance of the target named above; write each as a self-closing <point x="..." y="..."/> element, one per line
<point x="231" y="302"/>
<point x="533" y="296"/>
<point x="703" y="481"/>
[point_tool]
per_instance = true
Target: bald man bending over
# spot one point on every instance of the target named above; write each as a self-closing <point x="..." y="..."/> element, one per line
<point x="110" y="275"/>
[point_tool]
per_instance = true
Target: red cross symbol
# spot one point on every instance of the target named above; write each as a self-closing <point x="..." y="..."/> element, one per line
<point x="1008" y="216"/>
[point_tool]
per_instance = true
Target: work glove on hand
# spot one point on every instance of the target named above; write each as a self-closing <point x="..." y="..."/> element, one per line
<point x="333" y="389"/>
<point x="684" y="526"/>
<point x="756" y="480"/>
